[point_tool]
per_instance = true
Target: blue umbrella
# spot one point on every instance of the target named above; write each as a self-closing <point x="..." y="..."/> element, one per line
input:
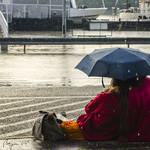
<point x="118" y="63"/>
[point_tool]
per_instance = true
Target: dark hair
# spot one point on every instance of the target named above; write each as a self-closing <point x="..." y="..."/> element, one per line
<point x="123" y="88"/>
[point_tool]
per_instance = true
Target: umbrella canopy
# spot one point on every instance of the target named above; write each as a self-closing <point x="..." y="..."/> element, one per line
<point x="118" y="63"/>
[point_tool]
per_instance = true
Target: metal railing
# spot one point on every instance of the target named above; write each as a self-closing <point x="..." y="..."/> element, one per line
<point x="54" y="41"/>
<point x="72" y="41"/>
<point x="4" y="25"/>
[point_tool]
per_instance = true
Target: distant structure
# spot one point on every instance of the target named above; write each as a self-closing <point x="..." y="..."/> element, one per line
<point x="47" y="9"/>
<point x="140" y="13"/>
<point x="144" y="6"/>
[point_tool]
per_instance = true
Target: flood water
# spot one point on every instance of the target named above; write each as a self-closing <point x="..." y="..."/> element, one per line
<point x="53" y="65"/>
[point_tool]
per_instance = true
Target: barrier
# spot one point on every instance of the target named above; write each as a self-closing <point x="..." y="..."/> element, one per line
<point x="74" y="41"/>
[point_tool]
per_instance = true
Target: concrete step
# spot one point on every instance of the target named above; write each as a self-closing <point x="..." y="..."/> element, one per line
<point x="17" y="115"/>
<point x="43" y="105"/>
<point x="33" y="144"/>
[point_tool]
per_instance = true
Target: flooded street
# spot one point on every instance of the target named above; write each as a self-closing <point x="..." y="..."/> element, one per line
<point x="51" y="68"/>
<point x="53" y="65"/>
<point x="45" y="78"/>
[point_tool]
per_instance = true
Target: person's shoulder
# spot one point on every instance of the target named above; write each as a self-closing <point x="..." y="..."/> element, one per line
<point x="144" y="81"/>
<point x="105" y="93"/>
<point x="143" y="84"/>
<point x="147" y="79"/>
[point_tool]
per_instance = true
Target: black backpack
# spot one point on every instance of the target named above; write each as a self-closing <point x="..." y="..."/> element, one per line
<point x="47" y="125"/>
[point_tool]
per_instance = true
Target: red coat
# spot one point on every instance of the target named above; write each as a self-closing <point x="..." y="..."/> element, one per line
<point x="139" y="112"/>
<point x="101" y="121"/>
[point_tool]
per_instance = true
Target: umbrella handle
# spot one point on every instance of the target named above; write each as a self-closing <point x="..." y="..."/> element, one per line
<point x="103" y="83"/>
<point x="102" y="78"/>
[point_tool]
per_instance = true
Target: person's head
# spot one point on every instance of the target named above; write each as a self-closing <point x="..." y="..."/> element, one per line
<point x="118" y="83"/>
<point x="121" y="89"/>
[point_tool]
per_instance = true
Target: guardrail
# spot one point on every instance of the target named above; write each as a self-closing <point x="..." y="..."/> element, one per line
<point x="3" y="24"/>
<point x="70" y="41"/>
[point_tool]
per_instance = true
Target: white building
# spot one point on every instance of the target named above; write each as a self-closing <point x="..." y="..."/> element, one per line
<point x="144" y="6"/>
<point x="137" y="13"/>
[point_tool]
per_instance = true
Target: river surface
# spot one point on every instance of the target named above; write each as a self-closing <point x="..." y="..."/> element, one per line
<point x="53" y="65"/>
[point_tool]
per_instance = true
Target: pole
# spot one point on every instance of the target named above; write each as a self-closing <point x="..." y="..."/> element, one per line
<point x="127" y="5"/>
<point x="69" y="10"/>
<point x="24" y="49"/>
<point x="64" y="19"/>
<point x="103" y="3"/>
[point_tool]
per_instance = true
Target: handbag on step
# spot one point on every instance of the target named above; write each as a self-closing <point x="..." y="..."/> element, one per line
<point x="46" y="126"/>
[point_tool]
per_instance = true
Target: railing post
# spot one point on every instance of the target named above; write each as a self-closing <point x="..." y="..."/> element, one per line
<point x="64" y="19"/>
<point x="24" y="49"/>
<point x="4" y="48"/>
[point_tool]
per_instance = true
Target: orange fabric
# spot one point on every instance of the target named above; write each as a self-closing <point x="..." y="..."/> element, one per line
<point x="72" y="130"/>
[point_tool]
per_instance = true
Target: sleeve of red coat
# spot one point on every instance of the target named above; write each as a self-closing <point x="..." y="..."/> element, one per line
<point x="93" y="104"/>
